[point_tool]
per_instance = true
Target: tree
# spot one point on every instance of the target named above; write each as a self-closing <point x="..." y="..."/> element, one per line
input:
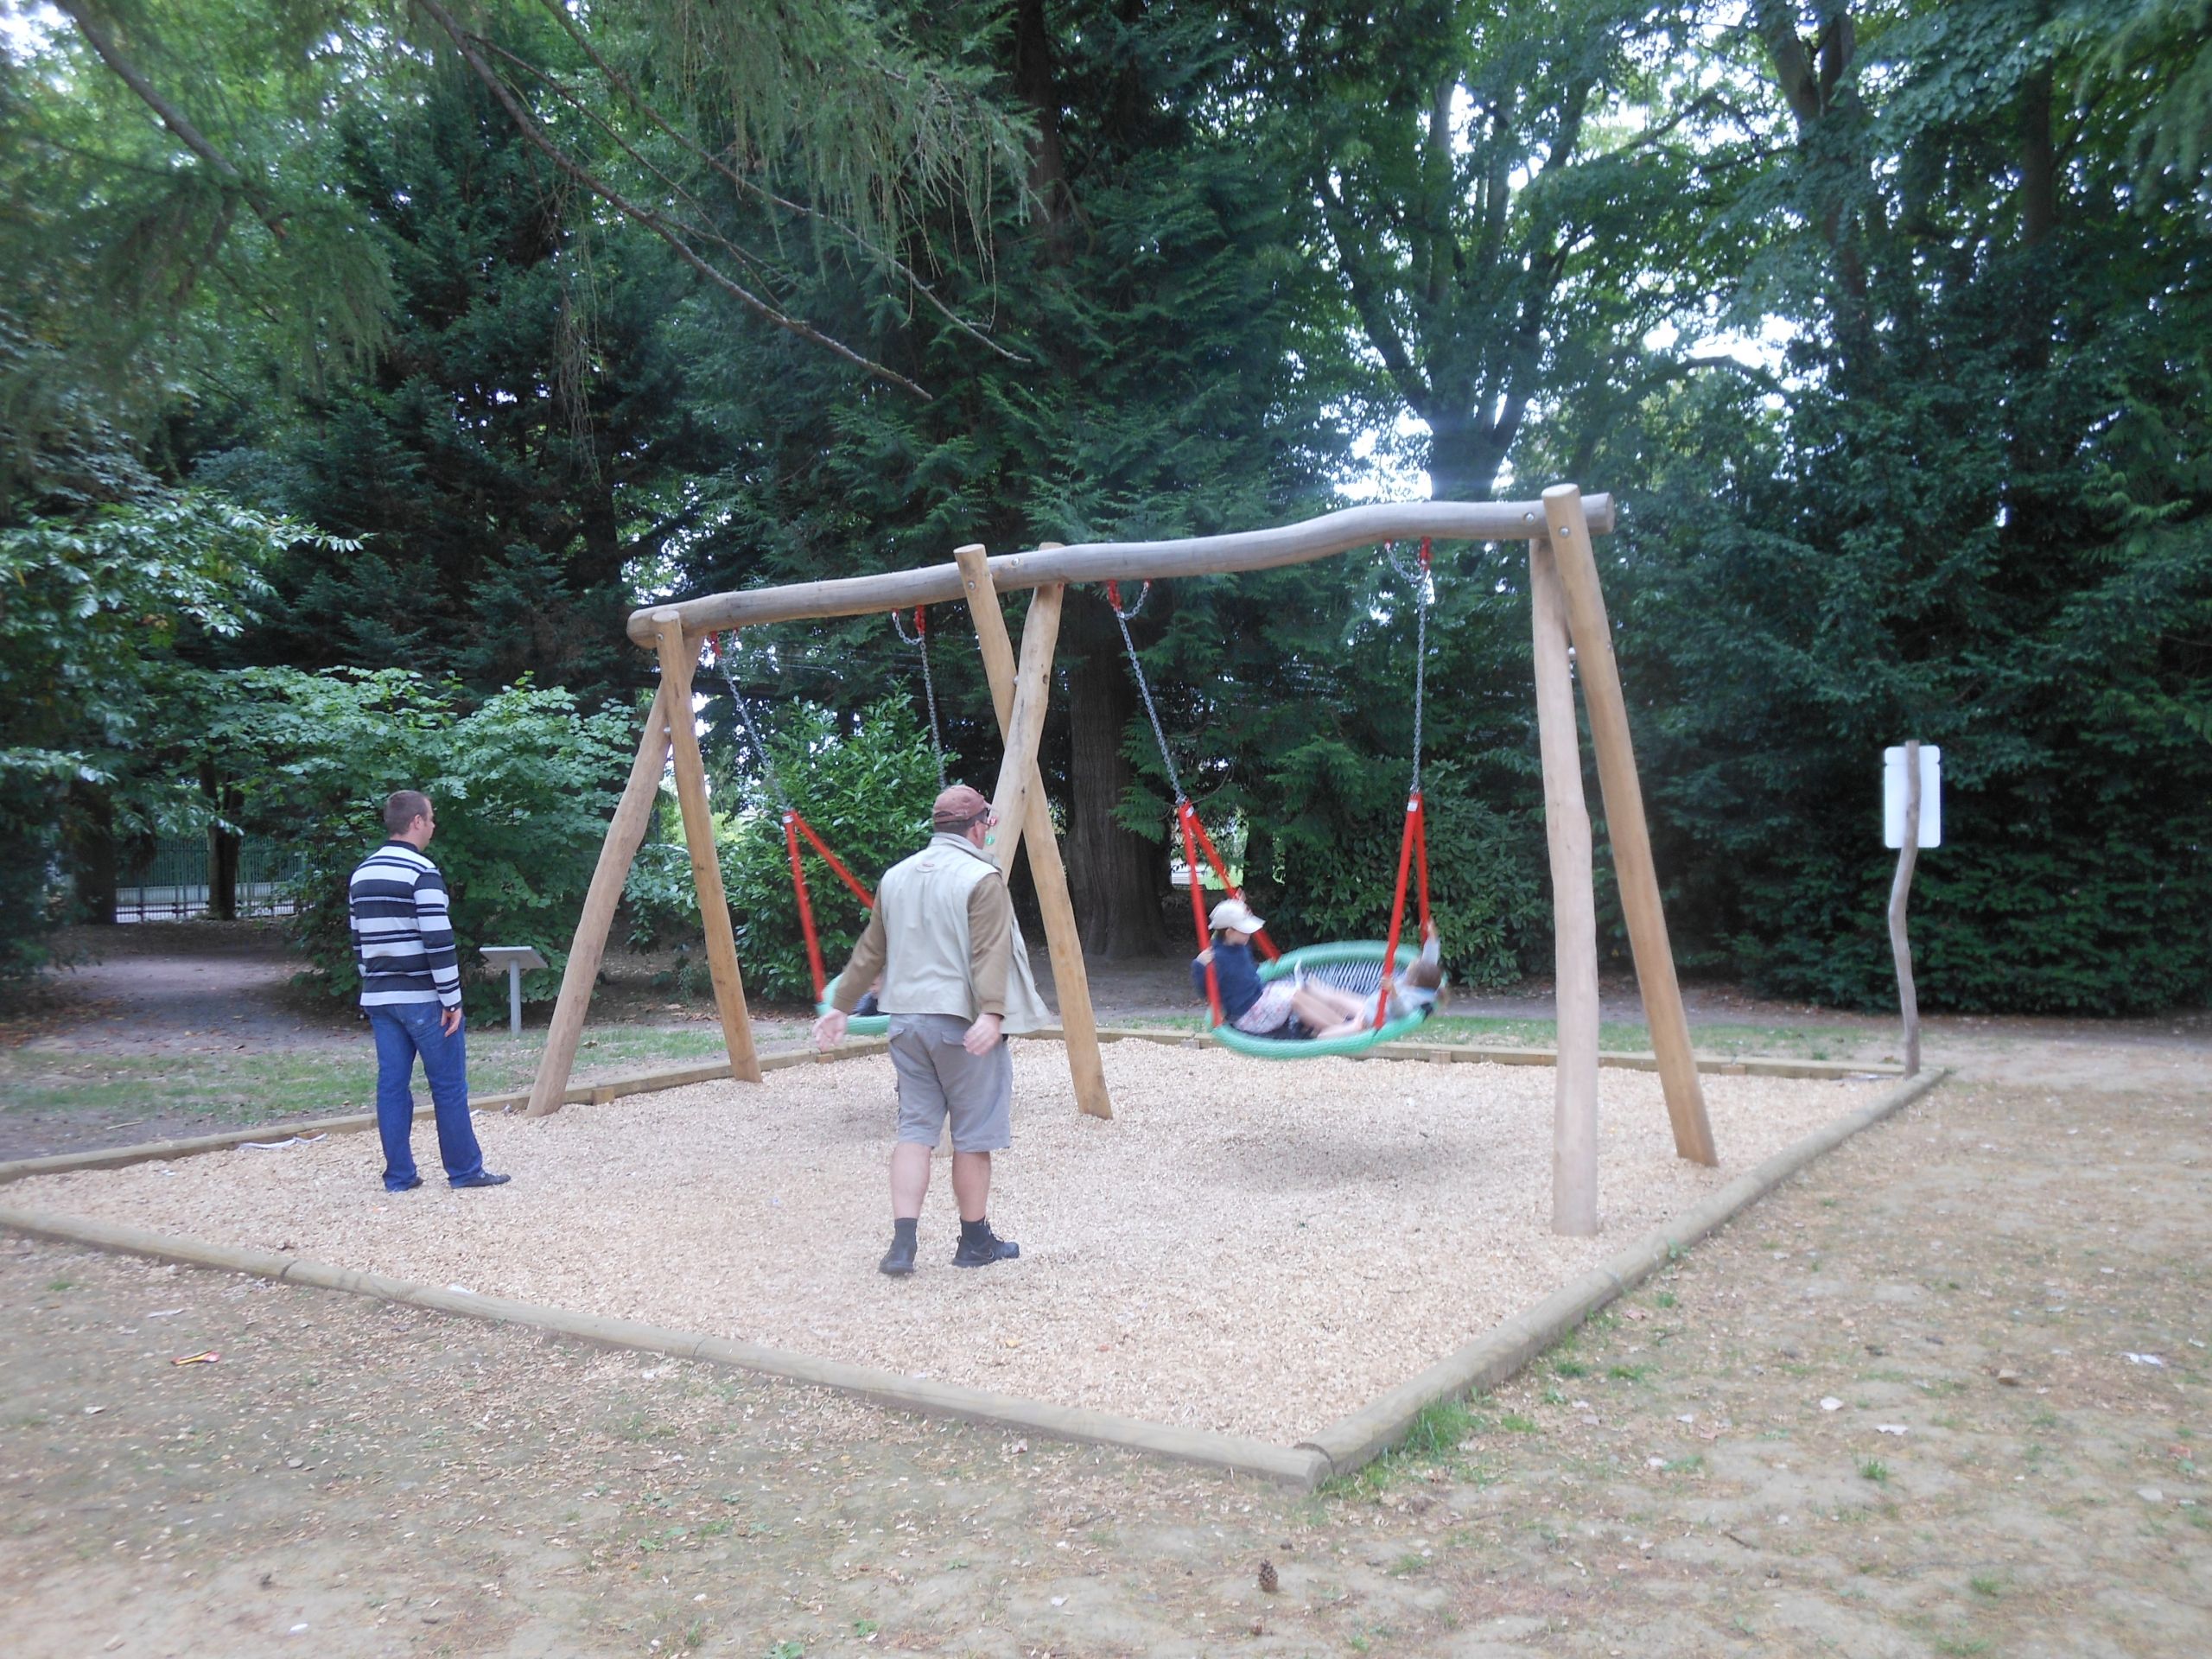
<point x="1510" y="195"/>
<point x="1170" y="378"/>
<point x="94" y="610"/>
<point x="523" y="780"/>
<point x="518" y="439"/>
<point x="1980" y="518"/>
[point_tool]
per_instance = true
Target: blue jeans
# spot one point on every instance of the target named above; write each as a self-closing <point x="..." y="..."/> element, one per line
<point x="402" y="1031"/>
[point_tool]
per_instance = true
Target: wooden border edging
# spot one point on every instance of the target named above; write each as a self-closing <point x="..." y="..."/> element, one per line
<point x="1749" y="1065"/>
<point x="1338" y="1449"/>
<point x="1503" y="1349"/>
<point x="1293" y="1466"/>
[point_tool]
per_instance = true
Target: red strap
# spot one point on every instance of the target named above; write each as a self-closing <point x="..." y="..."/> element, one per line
<point x="1186" y="818"/>
<point x="1185" y="811"/>
<point x="1414" y="833"/>
<point x="921" y="619"/>
<point x="1424" y="553"/>
<point x="832" y="860"/>
<point x="806" y="904"/>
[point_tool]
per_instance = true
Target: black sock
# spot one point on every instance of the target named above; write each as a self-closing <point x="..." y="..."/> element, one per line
<point x="902" y="1229"/>
<point x="974" y="1232"/>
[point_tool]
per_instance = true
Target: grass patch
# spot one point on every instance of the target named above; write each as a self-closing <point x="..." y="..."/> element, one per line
<point x="1569" y="1368"/>
<point x="244" y="1086"/>
<point x="1987" y="1585"/>
<point x="1875" y="1470"/>
<point x="1432" y="1441"/>
<point x="1629" y="1373"/>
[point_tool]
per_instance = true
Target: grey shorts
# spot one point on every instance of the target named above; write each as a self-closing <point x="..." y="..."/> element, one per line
<point x="938" y="1078"/>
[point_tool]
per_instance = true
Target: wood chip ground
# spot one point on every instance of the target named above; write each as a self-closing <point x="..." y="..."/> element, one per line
<point x="1248" y="1247"/>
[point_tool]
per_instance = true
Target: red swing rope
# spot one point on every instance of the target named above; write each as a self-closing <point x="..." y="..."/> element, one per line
<point x="1186" y="818"/>
<point x="1413" y="841"/>
<point x="795" y="825"/>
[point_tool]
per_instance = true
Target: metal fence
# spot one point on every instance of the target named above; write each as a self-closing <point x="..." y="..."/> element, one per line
<point x="172" y="884"/>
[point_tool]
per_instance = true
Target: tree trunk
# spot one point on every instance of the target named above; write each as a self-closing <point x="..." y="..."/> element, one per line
<point x="223" y="849"/>
<point x="89" y="843"/>
<point x="2038" y="162"/>
<point x="1114" y="878"/>
<point x="1465" y="457"/>
<point x="1035" y="86"/>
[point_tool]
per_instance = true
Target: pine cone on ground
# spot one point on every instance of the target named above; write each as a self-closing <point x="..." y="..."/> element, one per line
<point x="1268" y="1581"/>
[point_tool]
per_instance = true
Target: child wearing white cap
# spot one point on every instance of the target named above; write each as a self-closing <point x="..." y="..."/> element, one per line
<point x="1255" y="1009"/>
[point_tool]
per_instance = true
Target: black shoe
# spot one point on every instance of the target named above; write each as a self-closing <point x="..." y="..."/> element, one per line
<point x="899" y="1259"/>
<point x="982" y="1252"/>
<point x="482" y="1178"/>
<point x="407" y="1185"/>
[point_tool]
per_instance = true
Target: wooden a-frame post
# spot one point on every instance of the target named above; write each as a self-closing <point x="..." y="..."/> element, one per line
<point x="678" y="657"/>
<point x="624" y="835"/>
<point x="1626" y="829"/>
<point x="1009" y="686"/>
<point x="1574" y="908"/>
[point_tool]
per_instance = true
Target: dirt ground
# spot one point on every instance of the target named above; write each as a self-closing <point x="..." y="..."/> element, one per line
<point x="1944" y="1394"/>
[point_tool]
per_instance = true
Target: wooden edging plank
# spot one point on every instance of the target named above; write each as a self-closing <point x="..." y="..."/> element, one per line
<point x="1291" y="1465"/>
<point x="1749" y="1066"/>
<point x="1492" y="1357"/>
<point x="1337" y="1449"/>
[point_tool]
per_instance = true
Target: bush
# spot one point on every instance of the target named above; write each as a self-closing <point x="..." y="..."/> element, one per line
<point x="865" y="786"/>
<point x="525" y="785"/>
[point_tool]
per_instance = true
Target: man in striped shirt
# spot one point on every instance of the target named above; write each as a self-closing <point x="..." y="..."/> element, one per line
<point x="410" y="990"/>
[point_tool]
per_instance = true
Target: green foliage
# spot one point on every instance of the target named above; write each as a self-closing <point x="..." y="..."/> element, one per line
<point x="864" y="784"/>
<point x="2007" y="556"/>
<point x="517" y="440"/>
<point x="92" y="612"/>
<point x="524" y="782"/>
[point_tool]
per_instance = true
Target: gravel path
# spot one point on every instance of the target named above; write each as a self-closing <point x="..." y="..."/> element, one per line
<point x="1251" y="1248"/>
<point x="1990" y="1271"/>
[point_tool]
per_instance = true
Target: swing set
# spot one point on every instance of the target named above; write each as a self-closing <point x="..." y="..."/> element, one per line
<point x="1567" y="607"/>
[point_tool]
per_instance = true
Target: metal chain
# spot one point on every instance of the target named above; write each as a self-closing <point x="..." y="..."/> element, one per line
<point x="921" y="638"/>
<point x="1144" y="686"/>
<point x="744" y="712"/>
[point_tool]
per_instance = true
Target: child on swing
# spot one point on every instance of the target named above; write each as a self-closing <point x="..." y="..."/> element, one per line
<point x="1413" y="992"/>
<point x="1298" y="1008"/>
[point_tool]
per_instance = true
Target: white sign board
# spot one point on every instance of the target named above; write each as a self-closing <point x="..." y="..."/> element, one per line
<point x="1931" y="797"/>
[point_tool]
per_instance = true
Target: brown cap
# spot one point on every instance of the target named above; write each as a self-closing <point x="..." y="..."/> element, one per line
<point x="958" y="807"/>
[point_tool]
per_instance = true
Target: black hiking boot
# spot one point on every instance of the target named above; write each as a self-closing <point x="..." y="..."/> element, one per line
<point x="980" y="1247"/>
<point x="899" y="1259"/>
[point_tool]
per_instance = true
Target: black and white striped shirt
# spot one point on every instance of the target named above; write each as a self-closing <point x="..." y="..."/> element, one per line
<point x="403" y="936"/>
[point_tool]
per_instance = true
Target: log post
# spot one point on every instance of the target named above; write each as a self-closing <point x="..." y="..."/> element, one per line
<point x="677" y="659"/>
<point x="1019" y="785"/>
<point x="1624" y="822"/>
<point x="1070" y="979"/>
<point x="632" y="815"/>
<point x="1574" y="908"/>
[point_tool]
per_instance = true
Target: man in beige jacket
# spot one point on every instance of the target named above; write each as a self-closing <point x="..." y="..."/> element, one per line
<point x="955" y="984"/>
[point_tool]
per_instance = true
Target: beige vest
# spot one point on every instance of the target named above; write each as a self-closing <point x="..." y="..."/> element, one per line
<point x="923" y="904"/>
